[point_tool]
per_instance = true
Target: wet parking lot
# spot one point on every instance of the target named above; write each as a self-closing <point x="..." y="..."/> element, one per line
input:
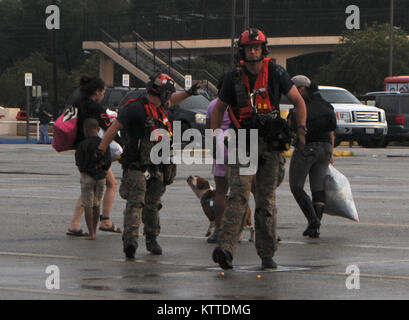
<point x="365" y="260"/>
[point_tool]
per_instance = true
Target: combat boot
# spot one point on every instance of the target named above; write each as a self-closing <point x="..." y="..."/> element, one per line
<point x="268" y="263"/>
<point x="152" y="245"/>
<point x="130" y="249"/>
<point x="313" y="230"/>
<point x="319" y="211"/>
<point x="223" y="258"/>
<point x="307" y="208"/>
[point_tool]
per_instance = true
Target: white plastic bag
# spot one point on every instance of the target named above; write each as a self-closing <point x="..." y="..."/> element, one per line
<point x="114" y="147"/>
<point x="338" y="195"/>
<point x="111" y="114"/>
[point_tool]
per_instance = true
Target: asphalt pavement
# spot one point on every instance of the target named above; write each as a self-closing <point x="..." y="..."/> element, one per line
<point x="365" y="260"/>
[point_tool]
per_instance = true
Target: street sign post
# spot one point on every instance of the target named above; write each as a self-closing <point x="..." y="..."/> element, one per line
<point x="188" y="81"/>
<point x="125" y="80"/>
<point x="28" y="80"/>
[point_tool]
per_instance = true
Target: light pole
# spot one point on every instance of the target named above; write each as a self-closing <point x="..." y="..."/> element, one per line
<point x="246" y="10"/>
<point x="233" y="30"/>
<point x="391" y="40"/>
<point x="246" y="22"/>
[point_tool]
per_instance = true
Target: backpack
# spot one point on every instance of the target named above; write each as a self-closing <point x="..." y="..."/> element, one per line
<point x="65" y="130"/>
<point x="320" y="116"/>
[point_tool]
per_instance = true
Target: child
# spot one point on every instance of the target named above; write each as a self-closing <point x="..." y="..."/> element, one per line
<point x="93" y="171"/>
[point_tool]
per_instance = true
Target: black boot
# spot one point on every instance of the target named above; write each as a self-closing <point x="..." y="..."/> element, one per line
<point x="313" y="230"/>
<point x="306" y="206"/>
<point x="223" y="258"/>
<point x="268" y="263"/>
<point x="130" y="249"/>
<point x="319" y="211"/>
<point x="152" y="245"/>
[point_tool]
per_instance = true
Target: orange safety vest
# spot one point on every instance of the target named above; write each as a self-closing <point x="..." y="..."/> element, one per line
<point x="262" y="101"/>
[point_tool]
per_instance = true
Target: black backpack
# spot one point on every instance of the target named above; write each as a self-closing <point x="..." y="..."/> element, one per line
<point x="320" y="116"/>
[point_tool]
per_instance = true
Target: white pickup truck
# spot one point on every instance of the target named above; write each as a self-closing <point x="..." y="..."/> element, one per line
<point x="355" y="121"/>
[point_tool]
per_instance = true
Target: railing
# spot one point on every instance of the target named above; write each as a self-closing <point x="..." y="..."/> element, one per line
<point x="149" y="59"/>
<point x="201" y="74"/>
<point x="36" y="122"/>
<point x="160" y="63"/>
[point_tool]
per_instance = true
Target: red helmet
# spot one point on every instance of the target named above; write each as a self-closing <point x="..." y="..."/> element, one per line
<point x="162" y="86"/>
<point x="252" y="36"/>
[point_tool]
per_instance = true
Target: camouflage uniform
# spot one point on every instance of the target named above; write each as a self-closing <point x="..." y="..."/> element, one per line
<point x="142" y="195"/>
<point x="270" y="172"/>
<point x="143" y="203"/>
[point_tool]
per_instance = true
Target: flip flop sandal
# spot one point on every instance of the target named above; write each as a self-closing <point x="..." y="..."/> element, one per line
<point x="77" y="233"/>
<point x="113" y="228"/>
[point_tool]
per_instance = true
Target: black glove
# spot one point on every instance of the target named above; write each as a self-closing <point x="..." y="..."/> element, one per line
<point x="193" y="89"/>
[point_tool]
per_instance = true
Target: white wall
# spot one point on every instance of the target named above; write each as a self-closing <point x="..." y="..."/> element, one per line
<point x="8" y="114"/>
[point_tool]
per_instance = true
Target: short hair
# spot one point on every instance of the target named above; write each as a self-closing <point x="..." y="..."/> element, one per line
<point x="90" y="124"/>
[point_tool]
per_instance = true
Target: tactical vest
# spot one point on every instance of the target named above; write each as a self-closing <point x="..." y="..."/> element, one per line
<point x="156" y="118"/>
<point x="238" y="115"/>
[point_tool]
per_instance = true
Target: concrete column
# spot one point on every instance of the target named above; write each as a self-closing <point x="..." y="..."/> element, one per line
<point x="106" y="69"/>
<point x="279" y="58"/>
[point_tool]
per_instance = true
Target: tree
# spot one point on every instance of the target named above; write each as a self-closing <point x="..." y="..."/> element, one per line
<point x="360" y="63"/>
<point x="12" y="80"/>
<point x="11" y="48"/>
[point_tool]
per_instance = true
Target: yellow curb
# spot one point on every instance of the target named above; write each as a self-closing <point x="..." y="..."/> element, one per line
<point x="343" y="154"/>
<point x="346" y="143"/>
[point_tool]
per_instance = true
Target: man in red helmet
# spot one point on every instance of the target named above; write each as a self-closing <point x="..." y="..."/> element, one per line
<point x="143" y="183"/>
<point x="252" y="93"/>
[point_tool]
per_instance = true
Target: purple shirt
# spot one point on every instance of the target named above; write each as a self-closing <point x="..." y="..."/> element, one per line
<point x="220" y="170"/>
<point x="226" y="120"/>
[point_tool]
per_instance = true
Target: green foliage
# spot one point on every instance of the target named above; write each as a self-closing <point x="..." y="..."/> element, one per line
<point x="90" y="67"/>
<point x="213" y="65"/>
<point x="13" y="91"/>
<point x="361" y="62"/>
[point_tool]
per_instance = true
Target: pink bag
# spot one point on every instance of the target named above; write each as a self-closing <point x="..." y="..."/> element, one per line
<point x="65" y="130"/>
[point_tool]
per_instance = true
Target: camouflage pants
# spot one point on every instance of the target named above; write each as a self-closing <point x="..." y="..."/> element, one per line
<point x="270" y="172"/>
<point x="143" y="202"/>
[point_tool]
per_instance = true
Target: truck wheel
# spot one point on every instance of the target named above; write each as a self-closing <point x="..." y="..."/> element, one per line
<point x="373" y="143"/>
